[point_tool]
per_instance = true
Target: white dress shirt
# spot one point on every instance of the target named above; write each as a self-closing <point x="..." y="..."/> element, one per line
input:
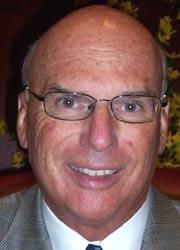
<point x="127" y="237"/>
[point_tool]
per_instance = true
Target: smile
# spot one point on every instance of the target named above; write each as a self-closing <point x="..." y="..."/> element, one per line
<point x="93" y="172"/>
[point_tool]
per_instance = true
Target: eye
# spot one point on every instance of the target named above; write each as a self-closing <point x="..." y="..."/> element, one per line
<point x="72" y="102"/>
<point x="131" y="107"/>
<point x="67" y="102"/>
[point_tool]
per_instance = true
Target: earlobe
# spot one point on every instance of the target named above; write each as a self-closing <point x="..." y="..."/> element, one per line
<point x="21" y="120"/>
<point x="163" y="128"/>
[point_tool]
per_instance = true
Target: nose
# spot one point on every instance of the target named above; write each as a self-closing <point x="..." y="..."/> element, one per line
<point x="99" y="132"/>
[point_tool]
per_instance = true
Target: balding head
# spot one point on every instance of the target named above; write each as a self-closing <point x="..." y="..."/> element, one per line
<point x="98" y="30"/>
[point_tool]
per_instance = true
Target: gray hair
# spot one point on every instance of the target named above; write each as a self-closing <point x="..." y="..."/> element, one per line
<point x="164" y="85"/>
<point x="28" y="58"/>
<point x="26" y="63"/>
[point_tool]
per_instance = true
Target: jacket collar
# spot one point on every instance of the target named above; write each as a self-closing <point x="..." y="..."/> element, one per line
<point x="27" y="229"/>
<point x="163" y="224"/>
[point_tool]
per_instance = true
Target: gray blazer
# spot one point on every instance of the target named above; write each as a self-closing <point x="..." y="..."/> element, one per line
<point x="22" y="226"/>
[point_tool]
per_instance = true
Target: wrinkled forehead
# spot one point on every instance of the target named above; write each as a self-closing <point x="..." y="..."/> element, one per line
<point x="98" y="37"/>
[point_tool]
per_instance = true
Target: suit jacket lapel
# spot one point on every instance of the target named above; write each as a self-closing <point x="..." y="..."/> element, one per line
<point x="163" y="224"/>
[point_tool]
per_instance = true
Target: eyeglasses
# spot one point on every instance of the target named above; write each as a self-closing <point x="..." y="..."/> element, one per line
<point x="76" y="106"/>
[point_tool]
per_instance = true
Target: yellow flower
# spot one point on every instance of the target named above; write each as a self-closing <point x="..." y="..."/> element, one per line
<point x="165" y="30"/>
<point x="172" y="55"/>
<point x="177" y="156"/>
<point x="176" y="142"/>
<point x="129" y="8"/>
<point x="175" y="107"/>
<point x="176" y="138"/>
<point x="173" y="73"/>
<point x="168" y="165"/>
<point x="169" y="142"/>
<point x="18" y="159"/>
<point x="3" y="127"/>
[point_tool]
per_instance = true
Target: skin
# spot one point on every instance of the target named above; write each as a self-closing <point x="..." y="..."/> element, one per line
<point x="103" y="53"/>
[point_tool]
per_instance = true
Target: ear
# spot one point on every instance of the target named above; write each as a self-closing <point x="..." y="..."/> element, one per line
<point x="163" y="128"/>
<point x="22" y="119"/>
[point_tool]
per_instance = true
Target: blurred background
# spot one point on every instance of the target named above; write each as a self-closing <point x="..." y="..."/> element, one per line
<point x="23" y="21"/>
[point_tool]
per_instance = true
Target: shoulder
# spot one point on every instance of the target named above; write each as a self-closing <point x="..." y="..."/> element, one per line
<point x="163" y="224"/>
<point x="21" y="221"/>
<point x="177" y="205"/>
<point x="162" y="202"/>
<point x="9" y="205"/>
<point x="12" y="201"/>
<point x="164" y="210"/>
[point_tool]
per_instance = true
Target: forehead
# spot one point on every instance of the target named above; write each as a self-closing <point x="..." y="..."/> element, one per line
<point x="98" y="53"/>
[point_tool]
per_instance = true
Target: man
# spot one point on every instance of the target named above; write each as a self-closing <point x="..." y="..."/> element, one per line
<point x="93" y="118"/>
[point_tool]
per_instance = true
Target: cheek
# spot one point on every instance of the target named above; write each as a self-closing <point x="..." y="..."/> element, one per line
<point x="143" y="136"/>
<point x="140" y="147"/>
<point x="143" y="143"/>
<point x="50" y="142"/>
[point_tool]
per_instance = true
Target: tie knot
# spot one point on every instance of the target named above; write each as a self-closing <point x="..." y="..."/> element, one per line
<point x="93" y="247"/>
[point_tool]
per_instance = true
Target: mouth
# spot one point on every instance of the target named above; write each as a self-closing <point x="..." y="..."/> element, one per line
<point x="94" y="172"/>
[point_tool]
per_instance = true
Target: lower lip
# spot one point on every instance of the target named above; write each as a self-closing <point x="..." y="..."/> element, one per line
<point x="94" y="182"/>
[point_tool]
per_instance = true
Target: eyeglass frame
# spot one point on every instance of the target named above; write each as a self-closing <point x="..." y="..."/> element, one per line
<point x="162" y="103"/>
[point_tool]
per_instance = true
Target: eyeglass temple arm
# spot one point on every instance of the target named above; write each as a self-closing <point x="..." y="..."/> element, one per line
<point x="40" y="98"/>
<point x="164" y="101"/>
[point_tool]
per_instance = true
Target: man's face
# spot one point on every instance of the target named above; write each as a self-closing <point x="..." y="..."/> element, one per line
<point x="59" y="150"/>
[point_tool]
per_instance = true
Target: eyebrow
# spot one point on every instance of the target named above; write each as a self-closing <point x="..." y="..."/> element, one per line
<point x="58" y="88"/>
<point x="145" y="91"/>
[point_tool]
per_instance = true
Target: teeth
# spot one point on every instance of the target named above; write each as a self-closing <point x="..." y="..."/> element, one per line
<point x="93" y="172"/>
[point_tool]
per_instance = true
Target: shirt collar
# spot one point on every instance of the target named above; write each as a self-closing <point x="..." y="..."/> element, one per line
<point x="127" y="237"/>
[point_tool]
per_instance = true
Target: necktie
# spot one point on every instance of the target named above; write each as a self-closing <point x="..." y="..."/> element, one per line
<point x="93" y="247"/>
